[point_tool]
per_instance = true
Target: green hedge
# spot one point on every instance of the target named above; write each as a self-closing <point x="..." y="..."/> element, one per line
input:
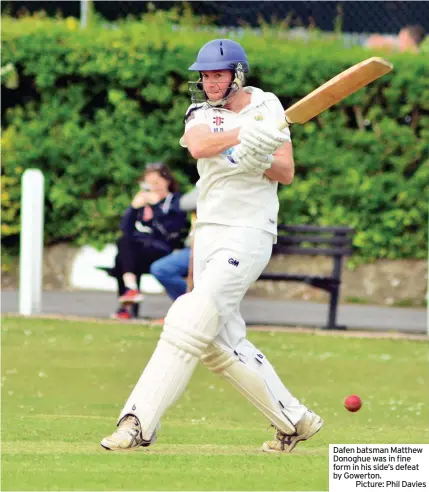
<point x="93" y="106"/>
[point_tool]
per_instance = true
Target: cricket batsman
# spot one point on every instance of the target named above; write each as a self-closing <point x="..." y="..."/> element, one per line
<point x="232" y="130"/>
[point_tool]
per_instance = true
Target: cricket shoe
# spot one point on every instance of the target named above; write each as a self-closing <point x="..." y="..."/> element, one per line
<point x="131" y="295"/>
<point x="309" y="425"/>
<point x="127" y="437"/>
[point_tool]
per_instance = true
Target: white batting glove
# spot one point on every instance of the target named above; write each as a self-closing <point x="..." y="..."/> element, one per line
<point x="251" y="162"/>
<point x="256" y="164"/>
<point x="262" y="138"/>
<point x="255" y="146"/>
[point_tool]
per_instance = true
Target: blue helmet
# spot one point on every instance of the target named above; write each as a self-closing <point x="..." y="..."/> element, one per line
<point x="220" y="54"/>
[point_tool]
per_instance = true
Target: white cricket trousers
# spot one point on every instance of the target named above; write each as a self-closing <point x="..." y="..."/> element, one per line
<point x="227" y="260"/>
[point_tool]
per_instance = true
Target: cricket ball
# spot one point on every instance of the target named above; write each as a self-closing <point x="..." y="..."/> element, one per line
<point x="353" y="403"/>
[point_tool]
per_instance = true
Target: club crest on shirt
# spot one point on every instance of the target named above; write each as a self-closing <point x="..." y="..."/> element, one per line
<point x="217" y="120"/>
<point x="259" y="117"/>
<point x="217" y="124"/>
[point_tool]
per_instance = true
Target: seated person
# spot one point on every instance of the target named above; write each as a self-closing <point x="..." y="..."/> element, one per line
<point x="152" y="227"/>
<point x="171" y="270"/>
<point x="408" y="40"/>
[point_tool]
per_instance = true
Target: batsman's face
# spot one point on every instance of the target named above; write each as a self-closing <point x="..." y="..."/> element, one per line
<point x="216" y="83"/>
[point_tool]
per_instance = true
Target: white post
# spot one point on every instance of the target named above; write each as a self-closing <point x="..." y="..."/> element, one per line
<point x="31" y="247"/>
<point x="83" y="13"/>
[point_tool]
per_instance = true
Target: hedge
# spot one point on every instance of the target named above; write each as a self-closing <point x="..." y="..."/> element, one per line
<point x="93" y="106"/>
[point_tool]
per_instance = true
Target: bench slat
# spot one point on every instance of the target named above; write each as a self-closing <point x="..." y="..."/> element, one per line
<point x="313" y="228"/>
<point x="295" y="277"/>
<point x="334" y="240"/>
<point x="284" y="249"/>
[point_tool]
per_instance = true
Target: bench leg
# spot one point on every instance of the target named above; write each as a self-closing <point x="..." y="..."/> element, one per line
<point x="332" y="316"/>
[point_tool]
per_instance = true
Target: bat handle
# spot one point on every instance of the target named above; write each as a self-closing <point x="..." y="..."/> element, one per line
<point x="284" y="125"/>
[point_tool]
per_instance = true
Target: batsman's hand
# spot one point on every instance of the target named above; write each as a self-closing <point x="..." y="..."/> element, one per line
<point x="251" y="162"/>
<point x="262" y="139"/>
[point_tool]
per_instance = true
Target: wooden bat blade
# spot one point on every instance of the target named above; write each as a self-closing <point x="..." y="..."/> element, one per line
<point x="336" y="89"/>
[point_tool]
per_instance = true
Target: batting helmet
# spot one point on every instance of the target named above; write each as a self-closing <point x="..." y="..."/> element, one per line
<point x="220" y="54"/>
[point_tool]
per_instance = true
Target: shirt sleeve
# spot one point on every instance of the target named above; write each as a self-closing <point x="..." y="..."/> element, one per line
<point x="128" y="220"/>
<point x="196" y="117"/>
<point x="169" y="223"/>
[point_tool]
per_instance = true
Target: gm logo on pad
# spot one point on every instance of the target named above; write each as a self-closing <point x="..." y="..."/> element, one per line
<point x="233" y="262"/>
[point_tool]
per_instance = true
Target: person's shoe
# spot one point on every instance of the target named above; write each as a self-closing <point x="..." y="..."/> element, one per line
<point x="121" y="314"/>
<point x="131" y="295"/>
<point x="127" y="437"/>
<point x="309" y="424"/>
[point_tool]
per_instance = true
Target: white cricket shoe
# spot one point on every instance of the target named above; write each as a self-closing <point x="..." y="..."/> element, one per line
<point x="309" y="424"/>
<point x="127" y="437"/>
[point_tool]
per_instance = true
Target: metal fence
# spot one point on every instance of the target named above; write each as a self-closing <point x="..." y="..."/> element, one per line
<point x="349" y="16"/>
<point x="386" y="17"/>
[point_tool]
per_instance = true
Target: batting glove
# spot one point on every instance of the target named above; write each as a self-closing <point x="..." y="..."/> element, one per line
<point x="249" y="162"/>
<point x="262" y="138"/>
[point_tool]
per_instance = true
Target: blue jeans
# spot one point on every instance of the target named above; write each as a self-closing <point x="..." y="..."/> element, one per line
<point x="171" y="271"/>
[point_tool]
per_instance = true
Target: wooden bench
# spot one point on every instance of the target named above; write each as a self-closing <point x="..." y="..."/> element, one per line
<point x="335" y="242"/>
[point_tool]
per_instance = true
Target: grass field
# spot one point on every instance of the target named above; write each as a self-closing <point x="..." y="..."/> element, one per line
<point x="64" y="383"/>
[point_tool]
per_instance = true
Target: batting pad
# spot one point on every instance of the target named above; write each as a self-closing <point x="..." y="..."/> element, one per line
<point x="190" y="326"/>
<point x="254" y="377"/>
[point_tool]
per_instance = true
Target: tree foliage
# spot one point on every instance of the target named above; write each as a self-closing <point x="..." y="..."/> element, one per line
<point x="93" y="106"/>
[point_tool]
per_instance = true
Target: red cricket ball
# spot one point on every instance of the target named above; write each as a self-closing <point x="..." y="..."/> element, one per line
<point x="353" y="403"/>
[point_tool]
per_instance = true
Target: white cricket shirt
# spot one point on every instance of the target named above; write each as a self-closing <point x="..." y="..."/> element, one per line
<point x="227" y="196"/>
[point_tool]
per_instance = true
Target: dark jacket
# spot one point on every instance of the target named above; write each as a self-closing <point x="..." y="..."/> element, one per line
<point x="165" y="231"/>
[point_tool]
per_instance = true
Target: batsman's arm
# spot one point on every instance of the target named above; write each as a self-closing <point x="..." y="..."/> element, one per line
<point x="202" y="143"/>
<point x="283" y="166"/>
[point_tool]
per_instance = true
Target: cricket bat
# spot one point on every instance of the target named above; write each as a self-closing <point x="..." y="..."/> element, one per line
<point x="336" y="89"/>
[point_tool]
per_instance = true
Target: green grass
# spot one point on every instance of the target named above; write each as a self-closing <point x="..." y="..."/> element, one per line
<point x="64" y="383"/>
